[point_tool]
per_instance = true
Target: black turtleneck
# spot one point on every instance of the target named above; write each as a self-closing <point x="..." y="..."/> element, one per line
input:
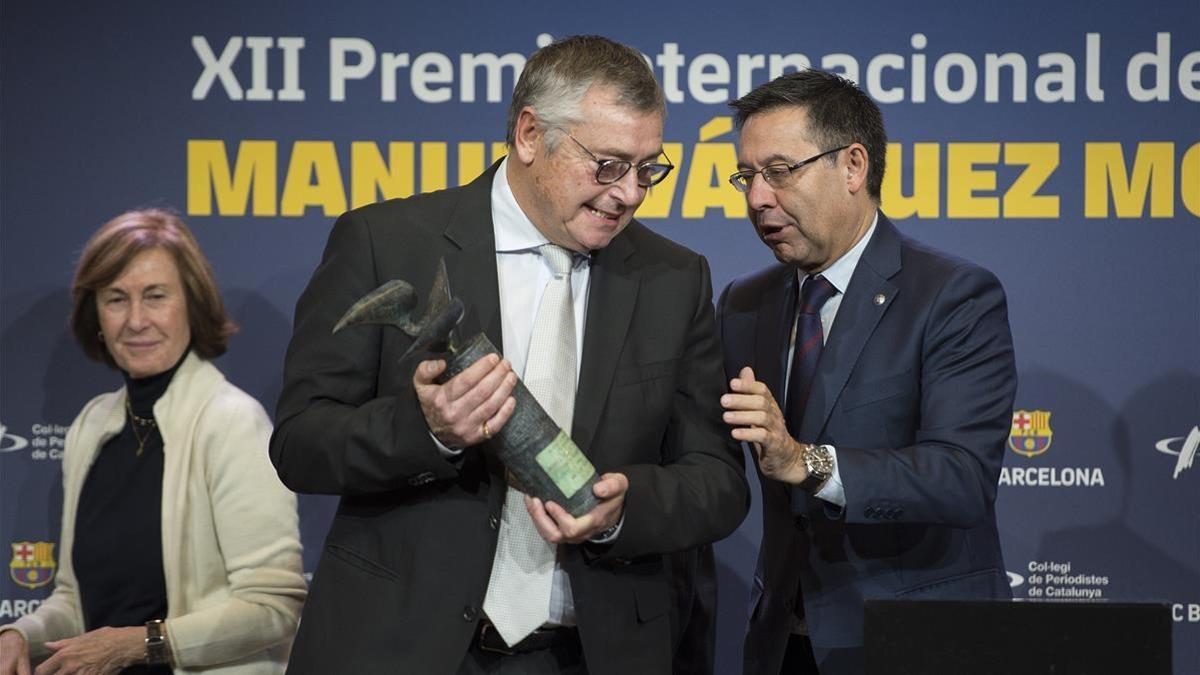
<point x="118" y="526"/>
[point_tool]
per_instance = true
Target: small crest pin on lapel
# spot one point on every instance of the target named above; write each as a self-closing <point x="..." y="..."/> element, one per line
<point x="880" y="298"/>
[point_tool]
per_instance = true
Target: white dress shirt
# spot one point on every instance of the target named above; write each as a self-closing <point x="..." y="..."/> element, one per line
<point x="838" y="274"/>
<point x="523" y="274"/>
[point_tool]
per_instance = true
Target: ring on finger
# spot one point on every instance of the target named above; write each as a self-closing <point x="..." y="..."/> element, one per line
<point x="487" y="433"/>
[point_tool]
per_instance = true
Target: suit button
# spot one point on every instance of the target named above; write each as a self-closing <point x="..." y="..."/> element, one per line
<point x="421" y="479"/>
<point x="493" y="522"/>
<point x="802" y="522"/>
<point x="469" y="613"/>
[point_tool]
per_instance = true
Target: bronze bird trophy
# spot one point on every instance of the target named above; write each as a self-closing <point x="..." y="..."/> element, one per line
<point x="545" y="461"/>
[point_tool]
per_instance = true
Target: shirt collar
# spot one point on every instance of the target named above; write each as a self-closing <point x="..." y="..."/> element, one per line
<point x="513" y="229"/>
<point x="842" y="269"/>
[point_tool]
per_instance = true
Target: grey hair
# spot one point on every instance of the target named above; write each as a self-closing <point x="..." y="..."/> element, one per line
<point x="558" y="76"/>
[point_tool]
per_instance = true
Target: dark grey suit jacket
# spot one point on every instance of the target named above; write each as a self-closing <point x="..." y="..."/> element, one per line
<point x="405" y="567"/>
<point x="915" y="389"/>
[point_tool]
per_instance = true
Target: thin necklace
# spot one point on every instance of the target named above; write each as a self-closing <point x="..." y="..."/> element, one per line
<point x="146" y="423"/>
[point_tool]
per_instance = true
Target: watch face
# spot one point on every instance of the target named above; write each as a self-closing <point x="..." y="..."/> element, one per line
<point x="819" y="461"/>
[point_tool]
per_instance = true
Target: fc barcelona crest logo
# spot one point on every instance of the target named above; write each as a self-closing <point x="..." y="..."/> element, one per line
<point x="1031" y="434"/>
<point x="32" y="563"/>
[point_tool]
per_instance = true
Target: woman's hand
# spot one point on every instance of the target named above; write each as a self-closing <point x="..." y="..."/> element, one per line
<point x="98" y="652"/>
<point x="14" y="654"/>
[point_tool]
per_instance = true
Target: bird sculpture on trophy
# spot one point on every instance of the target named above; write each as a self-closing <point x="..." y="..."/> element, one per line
<point x="542" y="458"/>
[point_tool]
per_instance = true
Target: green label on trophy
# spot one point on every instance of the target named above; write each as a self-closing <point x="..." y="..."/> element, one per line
<point x="565" y="465"/>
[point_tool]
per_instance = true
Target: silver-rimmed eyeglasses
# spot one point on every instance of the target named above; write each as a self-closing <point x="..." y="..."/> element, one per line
<point x="776" y="175"/>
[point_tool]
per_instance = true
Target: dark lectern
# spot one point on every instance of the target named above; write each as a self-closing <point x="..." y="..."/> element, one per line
<point x="1018" y="638"/>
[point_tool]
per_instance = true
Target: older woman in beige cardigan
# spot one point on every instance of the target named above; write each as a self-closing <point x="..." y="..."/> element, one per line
<point x="210" y="580"/>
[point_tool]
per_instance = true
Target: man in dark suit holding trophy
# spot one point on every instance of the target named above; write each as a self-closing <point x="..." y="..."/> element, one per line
<point x="436" y="563"/>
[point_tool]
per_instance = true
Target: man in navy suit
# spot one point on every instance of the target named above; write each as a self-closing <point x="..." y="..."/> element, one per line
<point x="872" y="376"/>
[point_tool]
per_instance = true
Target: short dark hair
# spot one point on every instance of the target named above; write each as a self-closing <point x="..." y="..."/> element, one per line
<point x="114" y="246"/>
<point x="839" y="113"/>
<point x="558" y="75"/>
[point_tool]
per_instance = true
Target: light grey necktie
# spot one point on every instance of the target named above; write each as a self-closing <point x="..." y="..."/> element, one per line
<point x="518" y="594"/>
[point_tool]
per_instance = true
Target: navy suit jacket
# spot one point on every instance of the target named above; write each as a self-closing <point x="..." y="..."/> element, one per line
<point x="406" y="564"/>
<point x="915" y="389"/>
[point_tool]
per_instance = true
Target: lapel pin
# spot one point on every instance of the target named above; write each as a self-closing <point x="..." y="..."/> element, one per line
<point x="880" y="298"/>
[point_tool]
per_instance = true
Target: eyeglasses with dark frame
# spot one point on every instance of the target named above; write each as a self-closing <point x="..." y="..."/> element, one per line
<point x="609" y="171"/>
<point x="775" y="175"/>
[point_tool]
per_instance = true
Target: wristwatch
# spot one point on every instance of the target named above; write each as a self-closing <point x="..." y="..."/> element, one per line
<point x="818" y="459"/>
<point x="157" y="650"/>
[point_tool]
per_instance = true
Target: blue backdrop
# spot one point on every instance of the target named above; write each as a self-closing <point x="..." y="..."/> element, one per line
<point x="1057" y="144"/>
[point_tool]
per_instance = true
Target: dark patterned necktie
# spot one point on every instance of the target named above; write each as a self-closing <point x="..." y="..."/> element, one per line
<point x="809" y="343"/>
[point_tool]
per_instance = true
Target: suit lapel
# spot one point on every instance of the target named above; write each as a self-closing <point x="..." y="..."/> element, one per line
<point x="773" y="330"/>
<point x="867" y="298"/>
<point x="772" y="338"/>
<point x="611" y="298"/>
<point x="472" y="267"/>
